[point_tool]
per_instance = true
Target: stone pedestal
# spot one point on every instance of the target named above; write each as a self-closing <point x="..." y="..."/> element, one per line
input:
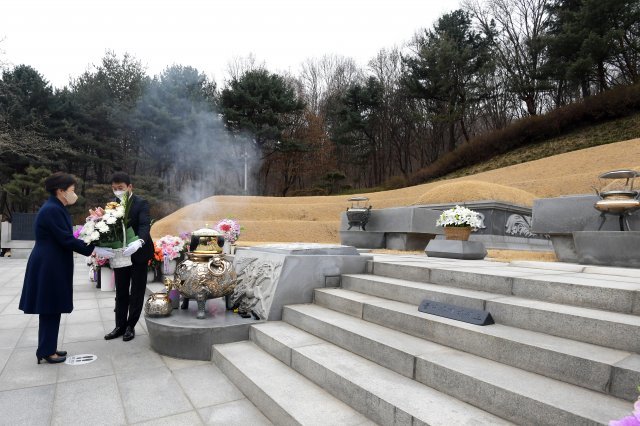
<point x="181" y="335"/>
<point x="452" y="249"/>
<point x="398" y="228"/>
<point x="608" y="248"/>
<point x="562" y="217"/>
<point x="274" y="275"/>
<point x="363" y="239"/>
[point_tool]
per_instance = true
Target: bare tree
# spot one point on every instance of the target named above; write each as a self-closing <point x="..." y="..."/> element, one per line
<point x="238" y="65"/>
<point x="3" y="62"/>
<point x="327" y="76"/>
<point x="517" y="28"/>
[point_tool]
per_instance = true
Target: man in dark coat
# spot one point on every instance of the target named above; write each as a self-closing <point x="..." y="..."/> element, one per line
<point x="131" y="281"/>
<point x="48" y="281"/>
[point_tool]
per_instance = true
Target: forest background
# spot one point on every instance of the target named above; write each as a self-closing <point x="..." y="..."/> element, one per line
<point x="484" y="79"/>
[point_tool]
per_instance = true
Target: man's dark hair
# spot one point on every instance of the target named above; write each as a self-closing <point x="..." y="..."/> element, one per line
<point x="121" y="177"/>
<point x="59" y="180"/>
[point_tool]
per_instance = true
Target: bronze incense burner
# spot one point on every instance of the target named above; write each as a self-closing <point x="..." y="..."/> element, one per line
<point x="205" y="274"/>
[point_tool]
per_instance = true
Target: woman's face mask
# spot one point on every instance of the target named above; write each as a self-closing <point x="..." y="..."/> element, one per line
<point x="71" y="197"/>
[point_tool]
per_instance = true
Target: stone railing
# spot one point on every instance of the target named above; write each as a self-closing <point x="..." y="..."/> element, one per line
<point x="18" y="236"/>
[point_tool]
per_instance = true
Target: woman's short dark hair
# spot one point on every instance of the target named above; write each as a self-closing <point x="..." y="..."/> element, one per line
<point x="59" y="180"/>
<point x="121" y="177"/>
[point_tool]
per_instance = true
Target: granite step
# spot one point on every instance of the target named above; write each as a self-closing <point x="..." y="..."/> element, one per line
<point x="385" y="396"/>
<point x="609" y="329"/>
<point x="593" y="367"/>
<point x="565" y="285"/>
<point x="507" y="392"/>
<point x="514" y="394"/>
<point x="283" y="395"/>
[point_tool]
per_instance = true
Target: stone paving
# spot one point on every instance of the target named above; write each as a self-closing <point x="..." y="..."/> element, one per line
<point x="129" y="383"/>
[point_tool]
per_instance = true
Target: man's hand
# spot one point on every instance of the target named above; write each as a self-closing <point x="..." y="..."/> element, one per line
<point x="133" y="247"/>
<point x="106" y="253"/>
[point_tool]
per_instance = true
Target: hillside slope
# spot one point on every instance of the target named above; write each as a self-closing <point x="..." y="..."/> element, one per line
<point x="317" y="219"/>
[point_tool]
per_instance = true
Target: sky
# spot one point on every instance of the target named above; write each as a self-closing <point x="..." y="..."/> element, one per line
<point x="63" y="38"/>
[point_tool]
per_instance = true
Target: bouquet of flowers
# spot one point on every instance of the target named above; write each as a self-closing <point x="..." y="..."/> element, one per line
<point x="170" y="246"/>
<point x="186" y="237"/>
<point x="230" y="229"/>
<point x="156" y="261"/>
<point x="459" y="217"/>
<point x="95" y="263"/>
<point x="108" y="227"/>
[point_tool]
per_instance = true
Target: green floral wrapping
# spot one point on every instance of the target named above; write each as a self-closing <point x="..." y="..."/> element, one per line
<point x="116" y="244"/>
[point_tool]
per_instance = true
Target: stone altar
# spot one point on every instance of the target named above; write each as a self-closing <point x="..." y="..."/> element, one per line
<point x="505" y="226"/>
<point x="269" y="277"/>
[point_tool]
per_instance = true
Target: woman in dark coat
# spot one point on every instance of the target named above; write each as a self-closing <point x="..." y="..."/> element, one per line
<point x="48" y="281"/>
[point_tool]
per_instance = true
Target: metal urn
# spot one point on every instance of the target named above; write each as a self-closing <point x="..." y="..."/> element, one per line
<point x="158" y="305"/>
<point x="205" y="274"/>
<point x="358" y="214"/>
<point x="622" y="201"/>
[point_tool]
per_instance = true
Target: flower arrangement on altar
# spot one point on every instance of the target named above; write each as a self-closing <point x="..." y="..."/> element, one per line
<point x="459" y="217"/>
<point x="107" y="227"/>
<point x="156" y="261"/>
<point x="171" y="247"/>
<point x="230" y="229"/>
<point x="95" y="263"/>
<point x="186" y="237"/>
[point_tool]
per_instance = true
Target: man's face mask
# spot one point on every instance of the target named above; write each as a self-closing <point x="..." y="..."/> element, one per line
<point x="119" y="193"/>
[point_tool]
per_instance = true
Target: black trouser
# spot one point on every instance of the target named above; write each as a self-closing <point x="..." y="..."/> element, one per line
<point x="48" y="334"/>
<point x="134" y="277"/>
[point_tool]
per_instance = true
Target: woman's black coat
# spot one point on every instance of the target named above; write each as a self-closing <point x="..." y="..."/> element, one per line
<point x="48" y="281"/>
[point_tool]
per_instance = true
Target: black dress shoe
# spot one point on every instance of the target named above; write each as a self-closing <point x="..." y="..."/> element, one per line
<point x="116" y="332"/>
<point x="129" y="334"/>
<point x="61" y="353"/>
<point x="51" y="360"/>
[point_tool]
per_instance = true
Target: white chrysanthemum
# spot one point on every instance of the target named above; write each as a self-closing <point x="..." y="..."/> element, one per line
<point x="88" y="227"/>
<point x="95" y="235"/>
<point x="119" y="212"/>
<point x="111" y="220"/>
<point x="102" y="227"/>
<point x="459" y="216"/>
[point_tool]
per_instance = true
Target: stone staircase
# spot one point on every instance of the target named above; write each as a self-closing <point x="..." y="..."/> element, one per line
<point x="564" y="349"/>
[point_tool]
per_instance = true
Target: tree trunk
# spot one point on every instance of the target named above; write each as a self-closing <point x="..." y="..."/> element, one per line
<point x="584" y="85"/>
<point x="602" y="77"/>
<point x="531" y="105"/>
<point x="451" y="144"/>
<point x="464" y="130"/>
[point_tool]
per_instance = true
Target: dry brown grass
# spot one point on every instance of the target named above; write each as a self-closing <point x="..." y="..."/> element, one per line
<point x="474" y="190"/>
<point x="509" y="255"/>
<point x="317" y="219"/>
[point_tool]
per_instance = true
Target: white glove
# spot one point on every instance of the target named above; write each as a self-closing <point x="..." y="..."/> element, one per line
<point x="106" y="253"/>
<point x="133" y="247"/>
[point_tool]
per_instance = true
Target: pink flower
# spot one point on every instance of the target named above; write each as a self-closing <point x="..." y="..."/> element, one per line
<point x="629" y="420"/>
<point x="95" y="214"/>
<point x="625" y="421"/>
